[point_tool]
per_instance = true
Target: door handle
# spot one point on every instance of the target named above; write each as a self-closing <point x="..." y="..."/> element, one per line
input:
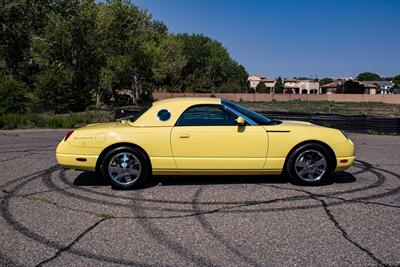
<point x="184" y="135"/>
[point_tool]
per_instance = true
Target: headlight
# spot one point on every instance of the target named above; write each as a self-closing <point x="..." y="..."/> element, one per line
<point x="344" y="133"/>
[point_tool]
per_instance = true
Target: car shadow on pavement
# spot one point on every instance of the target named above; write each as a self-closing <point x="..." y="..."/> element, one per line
<point x="91" y="179"/>
<point x="337" y="178"/>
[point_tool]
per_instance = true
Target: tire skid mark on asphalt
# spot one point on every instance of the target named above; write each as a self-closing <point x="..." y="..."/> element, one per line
<point x="30" y="149"/>
<point x="192" y="213"/>
<point x="9" y="135"/>
<point x="352" y="201"/>
<point x="247" y="203"/>
<point x="345" y="234"/>
<point x="63" y="178"/>
<point x="21" y="156"/>
<point x="50" y="184"/>
<point x="70" y="245"/>
<point x="53" y="187"/>
<point x="5" y="261"/>
<point x="34" y="174"/>
<point x="337" y="225"/>
<point x="28" y="195"/>
<point x="209" y="229"/>
<point x="5" y="211"/>
<point x="19" y="228"/>
<point x="376" y="184"/>
<point x="163" y="239"/>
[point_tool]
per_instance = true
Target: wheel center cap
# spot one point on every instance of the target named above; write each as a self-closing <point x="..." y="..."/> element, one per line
<point x="124" y="165"/>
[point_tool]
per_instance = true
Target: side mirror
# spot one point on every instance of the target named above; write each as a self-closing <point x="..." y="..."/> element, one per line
<point x="240" y="121"/>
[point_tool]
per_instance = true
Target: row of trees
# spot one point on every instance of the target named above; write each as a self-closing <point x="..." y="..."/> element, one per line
<point x="68" y="55"/>
<point x="367" y="76"/>
<point x="278" y="87"/>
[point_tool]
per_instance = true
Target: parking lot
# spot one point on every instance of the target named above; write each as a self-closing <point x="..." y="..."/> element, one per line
<point x="55" y="217"/>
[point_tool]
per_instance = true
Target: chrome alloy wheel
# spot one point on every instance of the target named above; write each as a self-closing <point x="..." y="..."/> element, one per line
<point x="310" y="165"/>
<point x="124" y="168"/>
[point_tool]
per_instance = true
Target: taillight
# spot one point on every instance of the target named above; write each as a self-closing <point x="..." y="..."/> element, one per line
<point x="68" y="135"/>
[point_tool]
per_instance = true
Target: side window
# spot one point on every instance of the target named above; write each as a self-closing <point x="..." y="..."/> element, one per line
<point x="206" y="115"/>
<point x="163" y="115"/>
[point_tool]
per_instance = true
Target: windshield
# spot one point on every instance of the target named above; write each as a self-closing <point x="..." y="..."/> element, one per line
<point x="258" y="118"/>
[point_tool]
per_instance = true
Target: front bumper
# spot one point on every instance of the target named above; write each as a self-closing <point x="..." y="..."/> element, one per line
<point x="344" y="163"/>
<point x="346" y="155"/>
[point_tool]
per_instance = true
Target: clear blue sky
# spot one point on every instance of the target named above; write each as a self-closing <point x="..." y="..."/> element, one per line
<point x="294" y="38"/>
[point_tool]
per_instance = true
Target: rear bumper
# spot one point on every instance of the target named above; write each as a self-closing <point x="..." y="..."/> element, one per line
<point x="79" y="162"/>
<point x="71" y="157"/>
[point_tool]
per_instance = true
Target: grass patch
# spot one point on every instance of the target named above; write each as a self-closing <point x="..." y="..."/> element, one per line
<point x="104" y="215"/>
<point x="328" y="107"/>
<point x="48" y="120"/>
<point x="40" y="198"/>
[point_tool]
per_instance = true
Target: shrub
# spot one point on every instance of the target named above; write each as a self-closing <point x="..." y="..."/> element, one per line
<point x="46" y="120"/>
<point x="13" y="97"/>
<point x="53" y="90"/>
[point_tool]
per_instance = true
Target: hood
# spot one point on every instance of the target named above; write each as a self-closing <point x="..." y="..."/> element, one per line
<point x="297" y="123"/>
<point x="287" y="125"/>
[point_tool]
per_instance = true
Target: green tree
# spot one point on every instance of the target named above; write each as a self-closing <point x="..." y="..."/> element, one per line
<point x="325" y="81"/>
<point x="68" y="45"/>
<point x="368" y="76"/>
<point x="171" y="61"/>
<point x="209" y="67"/>
<point x="278" y="88"/>
<point x="396" y="79"/>
<point x="127" y="41"/>
<point x="53" y="90"/>
<point x="351" y="87"/>
<point x="96" y="48"/>
<point x="12" y="96"/>
<point x="261" y="88"/>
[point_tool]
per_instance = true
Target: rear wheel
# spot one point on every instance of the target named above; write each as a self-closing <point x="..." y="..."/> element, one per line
<point x="125" y="167"/>
<point x="310" y="164"/>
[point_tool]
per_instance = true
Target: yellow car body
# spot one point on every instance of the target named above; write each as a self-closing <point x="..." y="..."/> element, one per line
<point x="174" y="150"/>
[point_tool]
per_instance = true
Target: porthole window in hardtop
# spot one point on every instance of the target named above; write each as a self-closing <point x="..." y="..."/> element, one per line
<point x="163" y="115"/>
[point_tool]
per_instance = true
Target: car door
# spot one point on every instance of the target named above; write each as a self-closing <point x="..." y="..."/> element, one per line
<point x="207" y="137"/>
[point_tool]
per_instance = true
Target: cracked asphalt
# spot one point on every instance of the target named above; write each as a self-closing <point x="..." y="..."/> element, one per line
<point x="55" y="217"/>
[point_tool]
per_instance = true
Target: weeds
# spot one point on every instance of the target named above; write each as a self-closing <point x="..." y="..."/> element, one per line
<point x="48" y="120"/>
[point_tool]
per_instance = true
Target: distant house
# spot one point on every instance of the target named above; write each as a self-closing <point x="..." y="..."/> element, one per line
<point x="254" y="80"/>
<point x="348" y="87"/>
<point x="383" y="87"/>
<point x="295" y="86"/>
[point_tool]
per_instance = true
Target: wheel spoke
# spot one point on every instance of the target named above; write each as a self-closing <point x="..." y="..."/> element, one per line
<point x="304" y="171"/>
<point x="128" y="178"/>
<point x="321" y="162"/>
<point x="301" y="164"/>
<point x="310" y="174"/>
<point x="115" y="169"/>
<point x="310" y="165"/>
<point x="124" y="168"/>
<point x="120" y="176"/>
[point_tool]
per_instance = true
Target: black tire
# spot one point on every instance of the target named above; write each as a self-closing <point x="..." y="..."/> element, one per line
<point x="136" y="157"/>
<point x="316" y="151"/>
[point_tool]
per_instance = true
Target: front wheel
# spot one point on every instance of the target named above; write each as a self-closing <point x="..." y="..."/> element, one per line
<point x="310" y="164"/>
<point x="125" y="167"/>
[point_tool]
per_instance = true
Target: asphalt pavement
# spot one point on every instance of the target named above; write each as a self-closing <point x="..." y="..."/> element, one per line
<point x="55" y="217"/>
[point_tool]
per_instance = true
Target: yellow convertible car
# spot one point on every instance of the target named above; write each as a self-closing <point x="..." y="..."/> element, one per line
<point x="205" y="136"/>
